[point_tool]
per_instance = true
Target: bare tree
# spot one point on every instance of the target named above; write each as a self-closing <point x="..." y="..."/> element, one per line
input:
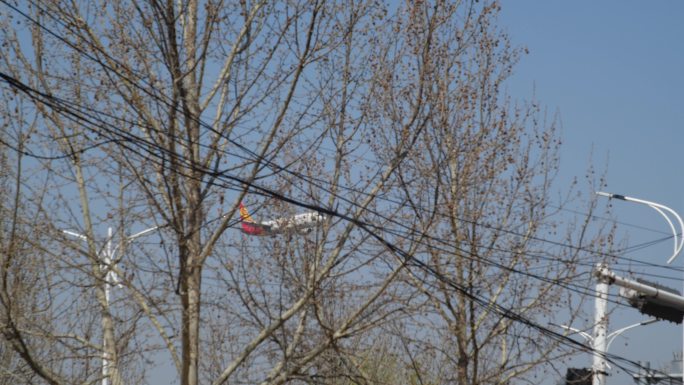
<point x="165" y="115"/>
<point x="485" y="168"/>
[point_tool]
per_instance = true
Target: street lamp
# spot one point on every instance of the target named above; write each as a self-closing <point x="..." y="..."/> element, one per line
<point x="106" y="258"/>
<point x="677" y="235"/>
<point x="661" y="209"/>
<point x="599" y="355"/>
<point x="610" y="337"/>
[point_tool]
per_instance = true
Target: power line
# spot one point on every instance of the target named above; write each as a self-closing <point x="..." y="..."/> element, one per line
<point x="96" y="124"/>
<point x="147" y="148"/>
<point x="253" y="156"/>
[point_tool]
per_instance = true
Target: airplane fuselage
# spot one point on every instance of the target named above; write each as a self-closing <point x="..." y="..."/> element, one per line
<point x="300" y="223"/>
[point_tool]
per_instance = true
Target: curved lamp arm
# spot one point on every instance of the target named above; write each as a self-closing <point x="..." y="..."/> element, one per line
<point x="108" y="256"/>
<point x="75" y="234"/>
<point x="584" y="334"/>
<point x="661" y="209"/>
<point x="612" y="336"/>
<point x="136" y="235"/>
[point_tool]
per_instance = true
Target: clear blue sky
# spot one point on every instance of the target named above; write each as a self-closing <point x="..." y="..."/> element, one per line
<point x="614" y="70"/>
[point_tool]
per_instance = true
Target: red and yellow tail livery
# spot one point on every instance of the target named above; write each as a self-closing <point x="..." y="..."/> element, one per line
<point x="248" y="225"/>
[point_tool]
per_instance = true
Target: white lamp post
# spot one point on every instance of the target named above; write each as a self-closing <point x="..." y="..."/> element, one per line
<point x="106" y="258"/>
<point x="677" y="235"/>
<point x="600" y="338"/>
<point x="606" y="340"/>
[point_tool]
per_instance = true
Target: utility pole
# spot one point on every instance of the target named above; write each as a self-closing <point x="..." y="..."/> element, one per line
<point x="110" y="278"/>
<point x="678" y="237"/>
<point x="107" y="259"/>
<point x="600" y="331"/>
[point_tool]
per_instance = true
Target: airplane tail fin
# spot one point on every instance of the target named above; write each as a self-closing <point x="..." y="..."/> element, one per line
<point x="244" y="214"/>
<point x="249" y="226"/>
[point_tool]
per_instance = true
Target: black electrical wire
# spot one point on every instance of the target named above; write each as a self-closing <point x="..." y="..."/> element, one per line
<point x="87" y="117"/>
<point x="265" y="192"/>
<point x="96" y="125"/>
<point x="276" y="167"/>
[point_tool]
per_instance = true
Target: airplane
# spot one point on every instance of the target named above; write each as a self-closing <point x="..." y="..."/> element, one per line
<point x="300" y="224"/>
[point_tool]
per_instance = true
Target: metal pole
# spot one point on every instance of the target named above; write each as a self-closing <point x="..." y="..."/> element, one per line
<point x="678" y="236"/>
<point x="111" y="278"/>
<point x="107" y="258"/>
<point x="664" y="297"/>
<point x="600" y="331"/>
